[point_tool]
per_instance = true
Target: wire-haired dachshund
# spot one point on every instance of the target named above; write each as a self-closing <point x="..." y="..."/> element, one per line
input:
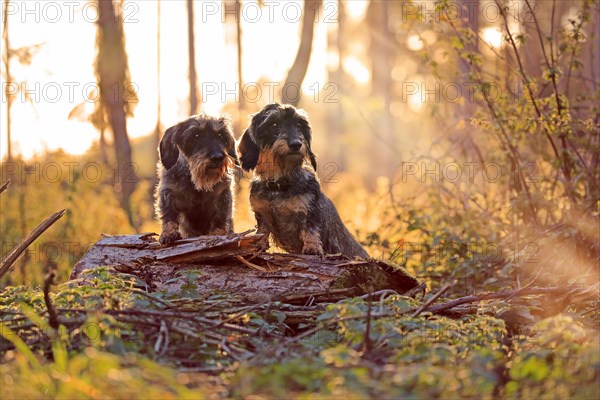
<point x="285" y="194"/>
<point x="194" y="194"/>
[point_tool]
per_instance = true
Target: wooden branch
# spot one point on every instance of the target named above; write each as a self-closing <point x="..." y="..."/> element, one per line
<point x="429" y="302"/>
<point x="52" y="316"/>
<point x="14" y="255"/>
<point x="422" y="288"/>
<point x="367" y="345"/>
<point x="4" y="186"/>
<point x="505" y="295"/>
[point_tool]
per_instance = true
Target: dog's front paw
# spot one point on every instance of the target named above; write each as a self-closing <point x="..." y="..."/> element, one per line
<point x="263" y="243"/>
<point x="170" y="233"/>
<point x="313" y="249"/>
<point x="311" y="243"/>
<point x="218" y="232"/>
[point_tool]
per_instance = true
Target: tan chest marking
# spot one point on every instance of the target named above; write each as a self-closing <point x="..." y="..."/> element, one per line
<point x="282" y="207"/>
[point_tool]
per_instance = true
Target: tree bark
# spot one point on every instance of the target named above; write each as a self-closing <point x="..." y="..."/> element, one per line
<point x="112" y="70"/>
<point x="336" y="118"/>
<point x="192" y="59"/>
<point x="238" y="26"/>
<point x="292" y="91"/>
<point x="234" y="265"/>
<point x="382" y="48"/>
<point x="157" y="130"/>
<point x="8" y="80"/>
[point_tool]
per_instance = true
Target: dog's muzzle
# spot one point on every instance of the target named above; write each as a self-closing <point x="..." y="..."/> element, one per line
<point x="295" y="145"/>
<point x="216" y="159"/>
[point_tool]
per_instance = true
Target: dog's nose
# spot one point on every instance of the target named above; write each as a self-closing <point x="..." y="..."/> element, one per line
<point x="216" y="157"/>
<point x="295" y="145"/>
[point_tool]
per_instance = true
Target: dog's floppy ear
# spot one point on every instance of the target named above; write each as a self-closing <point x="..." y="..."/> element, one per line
<point x="225" y="120"/>
<point x="168" y="147"/>
<point x="308" y="136"/>
<point x="311" y="155"/>
<point x="313" y="159"/>
<point x="248" y="150"/>
<point x="233" y="154"/>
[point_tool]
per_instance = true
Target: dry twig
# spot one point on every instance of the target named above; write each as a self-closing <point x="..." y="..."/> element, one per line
<point x="429" y="302"/>
<point x="4" y="186"/>
<point x="504" y="295"/>
<point x="249" y="264"/>
<point x="52" y="316"/>
<point x="14" y="255"/>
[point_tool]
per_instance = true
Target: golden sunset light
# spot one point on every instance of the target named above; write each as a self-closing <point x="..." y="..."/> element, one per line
<point x="61" y="79"/>
<point x="299" y="199"/>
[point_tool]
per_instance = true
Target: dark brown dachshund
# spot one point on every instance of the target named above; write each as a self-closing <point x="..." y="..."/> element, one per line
<point x="194" y="194"/>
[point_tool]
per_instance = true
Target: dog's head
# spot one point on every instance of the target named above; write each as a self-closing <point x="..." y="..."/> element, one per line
<point x="206" y="144"/>
<point x="277" y="141"/>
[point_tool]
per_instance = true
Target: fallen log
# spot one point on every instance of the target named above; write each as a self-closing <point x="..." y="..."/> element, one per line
<point x="235" y="265"/>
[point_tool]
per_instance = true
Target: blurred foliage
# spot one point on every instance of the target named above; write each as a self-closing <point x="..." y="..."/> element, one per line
<point x="84" y="187"/>
<point x="509" y="193"/>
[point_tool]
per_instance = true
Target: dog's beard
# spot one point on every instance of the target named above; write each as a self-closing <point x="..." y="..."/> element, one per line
<point x="277" y="161"/>
<point x="205" y="175"/>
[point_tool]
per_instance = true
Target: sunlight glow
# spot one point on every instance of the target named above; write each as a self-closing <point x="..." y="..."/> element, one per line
<point x="355" y="68"/>
<point x="414" y="96"/>
<point x="415" y="103"/>
<point x="429" y="36"/>
<point x="40" y="125"/>
<point x="333" y="60"/>
<point x="414" y="43"/>
<point x="356" y="9"/>
<point x="493" y="37"/>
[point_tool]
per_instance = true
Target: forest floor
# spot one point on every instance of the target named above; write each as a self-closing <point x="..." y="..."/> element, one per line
<point x="109" y="334"/>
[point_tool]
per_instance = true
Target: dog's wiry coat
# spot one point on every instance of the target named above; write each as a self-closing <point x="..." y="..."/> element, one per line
<point x="285" y="194"/>
<point x="194" y="194"/>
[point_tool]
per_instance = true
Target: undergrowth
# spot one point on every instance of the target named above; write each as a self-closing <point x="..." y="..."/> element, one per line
<point x="119" y="348"/>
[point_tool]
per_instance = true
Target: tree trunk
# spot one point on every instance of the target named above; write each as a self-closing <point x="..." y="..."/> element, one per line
<point x="233" y="265"/>
<point x="112" y="70"/>
<point x="158" y="127"/>
<point x="383" y="48"/>
<point x="8" y="80"/>
<point x="157" y="130"/>
<point x="463" y="137"/>
<point x="336" y="118"/>
<point x="238" y="25"/>
<point x="103" y="146"/>
<point x="192" y="59"/>
<point x="292" y="91"/>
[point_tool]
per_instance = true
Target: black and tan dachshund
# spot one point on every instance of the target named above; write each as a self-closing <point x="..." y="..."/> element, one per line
<point x="285" y="194"/>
